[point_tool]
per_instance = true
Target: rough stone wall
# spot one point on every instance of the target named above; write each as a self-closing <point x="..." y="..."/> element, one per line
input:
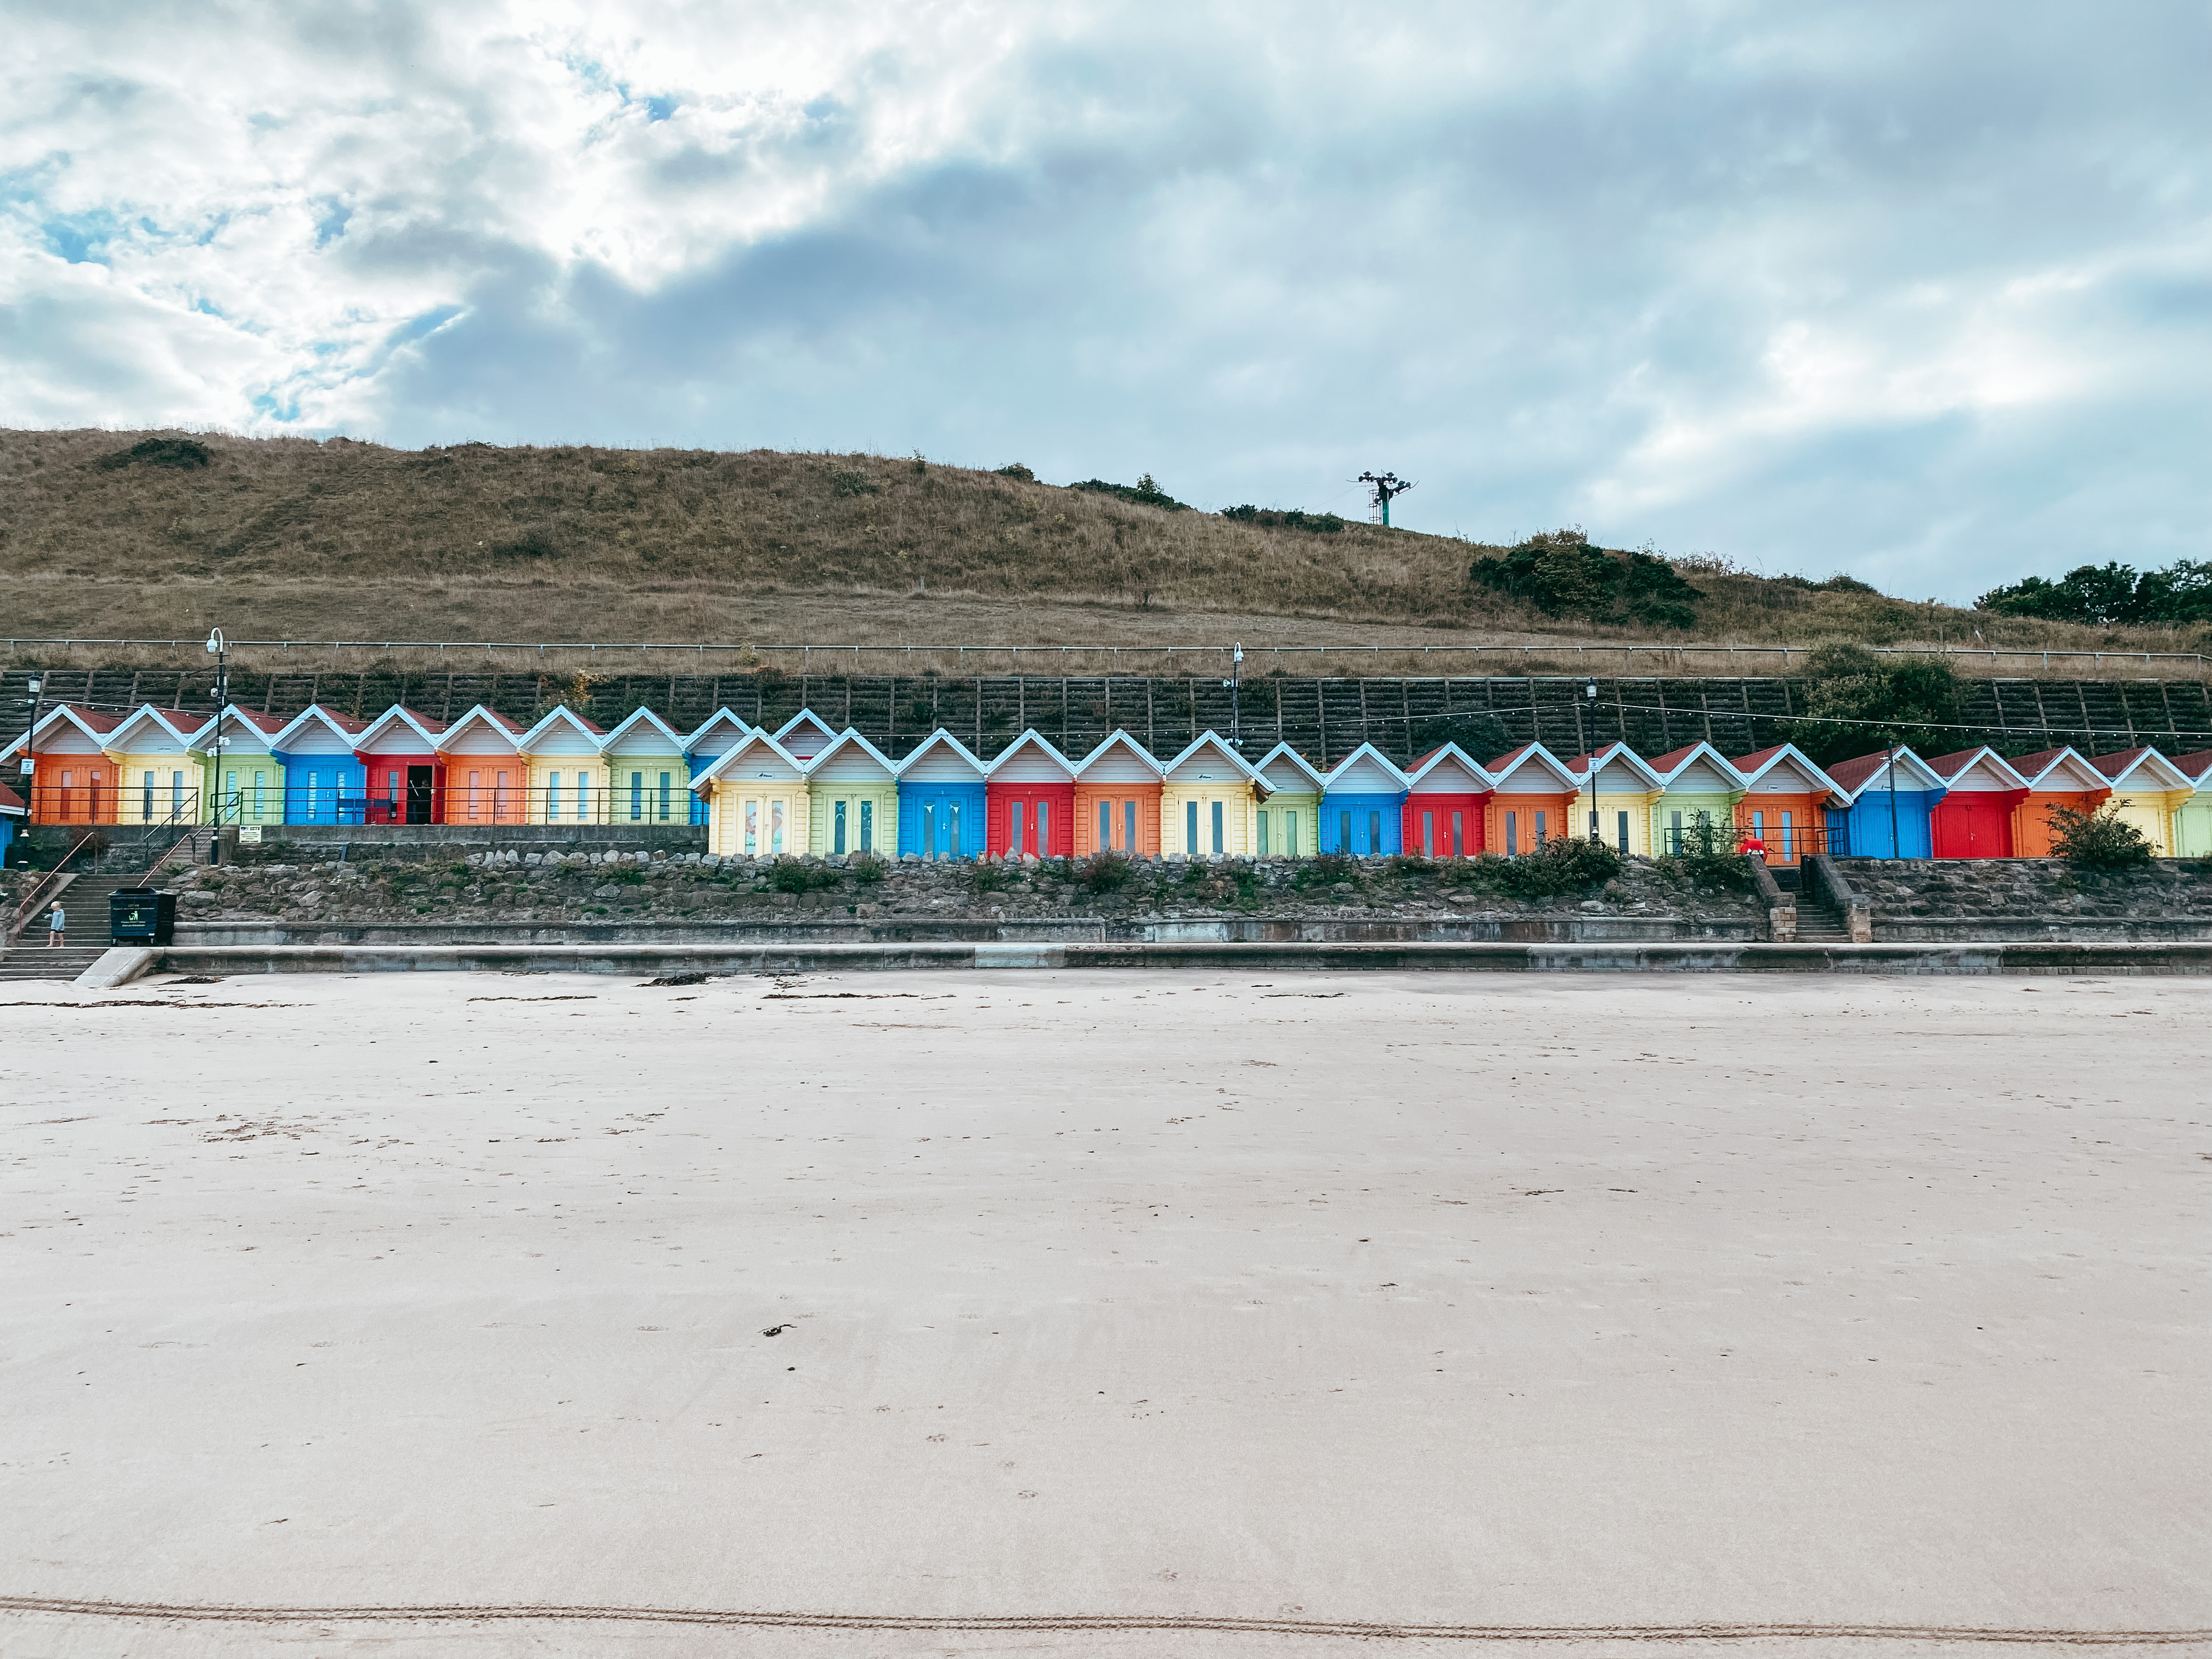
<point x="699" y="887"/>
<point x="2045" y="889"/>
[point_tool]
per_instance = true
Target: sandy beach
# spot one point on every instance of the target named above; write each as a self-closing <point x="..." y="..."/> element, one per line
<point x="1471" y="1304"/>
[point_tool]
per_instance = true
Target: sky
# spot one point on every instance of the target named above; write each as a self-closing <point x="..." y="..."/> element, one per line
<point x="1919" y="293"/>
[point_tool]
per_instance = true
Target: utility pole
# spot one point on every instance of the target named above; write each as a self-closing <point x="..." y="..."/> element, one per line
<point x="1895" y="851"/>
<point x="1236" y="690"/>
<point x="27" y="765"/>
<point x="1383" y="486"/>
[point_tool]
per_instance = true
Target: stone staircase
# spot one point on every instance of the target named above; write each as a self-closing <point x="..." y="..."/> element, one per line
<point x="1819" y="924"/>
<point x="37" y="960"/>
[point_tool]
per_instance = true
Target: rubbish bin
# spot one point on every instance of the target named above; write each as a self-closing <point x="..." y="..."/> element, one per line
<point x="141" y="915"/>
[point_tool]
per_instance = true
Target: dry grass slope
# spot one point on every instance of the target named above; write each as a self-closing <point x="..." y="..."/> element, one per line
<point x="289" y="537"/>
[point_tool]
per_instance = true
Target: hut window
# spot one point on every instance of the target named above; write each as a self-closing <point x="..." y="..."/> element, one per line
<point x="1757" y="825"/>
<point x="1512" y="835"/>
<point x="583" y="797"/>
<point x="1786" y="836"/>
<point x="952" y="830"/>
<point x="1374" y="832"/>
<point x="176" y="793"/>
<point x="1219" y="846"/>
<point x="1621" y="830"/>
<point x="1674" y="832"/>
<point x="1344" y="832"/>
<point x="1459" y="836"/>
<point x="1190" y="826"/>
<point x="1539" y="829"/>
<point x="552" y="797"/>
<point x="928" y="830"/>
<point x="868" y="826"/>
<point x="499" y="796"/>
<point x="1129" y="828"/>
<point x="1428" y="834"/>
<point x="1105" y="824"/>
<point x="147" y="811"/>
<point x="1290" y="834"/>
<point x="664" y="797"/>
<point x="1014" y="831"/>
<point x="637" y="796"/>
<point x="837" y="828"/>
<point x="753" y="826"/>
<point x="475" y="780"/>
<point x="1261" y="845"/>
<point x="775" y="826"/>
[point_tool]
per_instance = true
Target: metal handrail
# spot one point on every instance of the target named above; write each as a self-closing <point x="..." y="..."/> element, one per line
<point x="38" y="894"/>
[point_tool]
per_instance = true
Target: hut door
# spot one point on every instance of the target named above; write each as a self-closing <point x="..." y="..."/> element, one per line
<point x="418" y="794"/>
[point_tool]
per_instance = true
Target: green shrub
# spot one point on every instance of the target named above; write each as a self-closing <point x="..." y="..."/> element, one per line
<point x="181" y="452"/>
<point x="2101" y="839"/>
<point x="1104" y="873"/>
<point x="1278" y="518"/>
<point x="866" y="869"/>
<point x="1018" y="470"/>
<point x="1330" y="867"/>
<point x="1561" y="575"/>
<point x="1566" y="864"/>
<point x="1708" y="858"/>
<point x="792" y="875"/>
<point x="1888" y="699"/>
<point x="989" y="876"/>
<point x="852" y="483"/>
<point x="1144" y="492"/>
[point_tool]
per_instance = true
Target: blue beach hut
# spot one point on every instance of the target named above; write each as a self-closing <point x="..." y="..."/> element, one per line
<point x="942" y="788"/>
<point x="1363" y="805"/>
<point x="1882" y="806"/>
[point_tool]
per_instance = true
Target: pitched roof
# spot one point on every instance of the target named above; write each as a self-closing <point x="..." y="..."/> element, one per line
<point x="1449" y="754"/>
<point x="721" y="720"/>
<point x="1590" y="765"/>
<point x="2143" y="764"/>
<point x="2039" y="768"/>
<point x="1862" y="773"/>
<point x="1211" y="743"/>
<point x="1528" y="755"/>
<point x="748" y="749"/>
<point x="1952" y="768"/>
<point x="1118" y="738"/>
<point x="642" y="716"/>
<point x="398" y="715"/>
<point x="1752" y="766"/>
<point x="941" y="738"/>
<point x="174" y="724"/>
<point x="1282" y="754"/>
<point x="2197" y="767"/>
<point x="1368" y="753"/>
<point x="481" y="716"/>
<point x="1031" y="741"/>
<point x="805" y="733"/>
<point x="1675" y="762"/>
<point x="11" y="803"/>
<point x="314" y="714"/>
<point x="849" y="737"/>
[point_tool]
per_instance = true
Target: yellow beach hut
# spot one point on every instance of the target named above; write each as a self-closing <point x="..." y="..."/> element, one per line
<point x="806" y="735"/>
<point x="1619" y="791"/>
<point x="245" y="772"/>
<point x="1288" y="817"/>
<point x="568" y="772"/>
<point x="1209" y="794"/>
<point x="2148" y="789"/>
<point x="757" y="801"/>
<point x="486" y="778"/>
<point x="851" y="798"/>
<point x="158" y="769"/>
<point x="648" y="779"/>
<point x="716" y="735"/>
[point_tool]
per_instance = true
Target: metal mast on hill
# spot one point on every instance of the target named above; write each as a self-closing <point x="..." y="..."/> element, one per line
<point x="1381" y="486"/>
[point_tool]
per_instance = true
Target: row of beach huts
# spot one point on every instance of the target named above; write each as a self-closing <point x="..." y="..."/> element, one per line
<point x="810" y="789"/>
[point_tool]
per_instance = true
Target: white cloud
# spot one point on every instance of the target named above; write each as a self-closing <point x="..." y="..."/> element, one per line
<point x="1892" y="292"/>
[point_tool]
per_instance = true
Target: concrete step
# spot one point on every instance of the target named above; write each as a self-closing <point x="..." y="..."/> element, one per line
<point x="46" y="962"/>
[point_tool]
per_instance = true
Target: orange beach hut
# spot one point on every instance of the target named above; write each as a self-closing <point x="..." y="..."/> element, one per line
<point x="1117" y="799"/>
<point x="2054" y="777"/>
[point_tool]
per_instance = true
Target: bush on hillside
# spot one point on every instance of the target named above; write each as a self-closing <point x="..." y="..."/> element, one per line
<point x="1877" y="701"/>
<point x="1144" y="492"/>
<point x="852" y="482"/>
<point x="180" y="453"/>
<point x="2100" y="839"/>
<point x="1280" y="518"/>
<point x="1018" y="470"/>
<point x="1561" y="575"/>
<point x="2110" y="594"/>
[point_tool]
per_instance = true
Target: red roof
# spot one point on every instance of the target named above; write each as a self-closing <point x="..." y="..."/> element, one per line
<point x="9" y="800"/>
<point x="2028" y="765"/>
<point x="1672" y="758"/>
<point x="1850" y="773"/>
<point x="2113" y="764"/>
<point x="97" y="722"/>
<point x="268" y="725"/>
<point x="1752" y="762"/>
<point x="2196" y="765"/>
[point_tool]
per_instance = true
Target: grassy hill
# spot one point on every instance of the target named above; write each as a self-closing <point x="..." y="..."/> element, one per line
<point x="124" y="534"/>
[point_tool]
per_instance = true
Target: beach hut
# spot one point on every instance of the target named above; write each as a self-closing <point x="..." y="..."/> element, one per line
<point x="1363" y="805"/>
<point x="244" y="772"/>
<point x="326" y="781"/>
<point x="1974" y="818"/>
<point x="1208" y="795"/>
<point x="648" y="777"/>
<point x="806" y="735"/>
<point x="2148" y="789"/>
<point x="404" y="773"/>
<point x="1532" y="800"/>
<point x="1698" y="789"/>
<point x="941" y="791"/>
<point x="851" y="798"/>
<point x="716" y="735"/>
<point x="567" y="771"/>
<point x="1117" y="799"/>
<point x="1785" y="804"/>
<point x="1883" y="806"/>
<point x="14" y="811"/>
<point x="158" y="771"/>
<point x="2055" y="777"/>
<point x="1289" y="815"/>
<point x="2192" y="819"/>
<point x="71" y="778"/>
<point x="1619" y="791"/>
<point x="1447" y="799"/>
<point x="486" y="776"/>
<point x="1028" y="799"/>
<point x="756" y="796"/>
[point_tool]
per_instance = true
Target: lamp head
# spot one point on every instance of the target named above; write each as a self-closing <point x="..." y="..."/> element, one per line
<point x="34" y="685"/>
<point x="215" y="643"/>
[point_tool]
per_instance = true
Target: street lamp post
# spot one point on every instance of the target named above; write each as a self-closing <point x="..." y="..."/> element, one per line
<point x="219" y="649"/>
